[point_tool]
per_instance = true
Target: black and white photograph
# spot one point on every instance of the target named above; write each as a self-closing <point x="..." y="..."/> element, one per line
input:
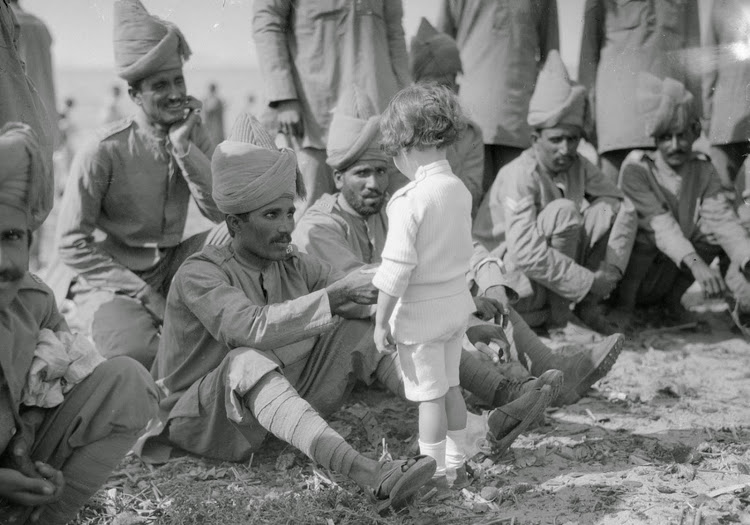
<point x="374" y="262"/>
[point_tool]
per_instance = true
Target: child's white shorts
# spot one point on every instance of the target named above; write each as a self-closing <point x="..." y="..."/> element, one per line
<point x="430" y="368"/>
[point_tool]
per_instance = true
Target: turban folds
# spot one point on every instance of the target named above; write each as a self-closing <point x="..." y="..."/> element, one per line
<point x="556" y="99"/>
<point x="355" y="128"/>
<point x="249" y="172"/>
<point x="664" y="104"/>
<point x="145" y="44"/>
<point x="25" y="179"/>
<point x="433" y="54"/>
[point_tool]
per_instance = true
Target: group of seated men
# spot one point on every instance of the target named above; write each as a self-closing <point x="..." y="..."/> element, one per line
<point x="262" y="326"/>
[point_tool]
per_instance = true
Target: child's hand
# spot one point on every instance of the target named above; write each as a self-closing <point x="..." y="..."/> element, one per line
<point x="384" y="340"/>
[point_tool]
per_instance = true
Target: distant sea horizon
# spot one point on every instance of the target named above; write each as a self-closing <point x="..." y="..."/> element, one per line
<point x="90" y="88"/>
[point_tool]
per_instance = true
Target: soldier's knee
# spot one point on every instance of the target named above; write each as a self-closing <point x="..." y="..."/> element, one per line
<point x="561" y="214"/>
<point x="123" y="327"/>
<point x="128" y="387"/>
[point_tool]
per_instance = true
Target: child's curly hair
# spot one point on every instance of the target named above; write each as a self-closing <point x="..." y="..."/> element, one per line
<point x="421" y="116"/>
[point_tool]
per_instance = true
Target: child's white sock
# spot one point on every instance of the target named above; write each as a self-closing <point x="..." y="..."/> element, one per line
<point x="437" y="452"/>
<point x="455" y="449"/>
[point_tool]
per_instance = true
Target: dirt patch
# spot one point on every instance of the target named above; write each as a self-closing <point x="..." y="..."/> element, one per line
<point x="662" y="439"/>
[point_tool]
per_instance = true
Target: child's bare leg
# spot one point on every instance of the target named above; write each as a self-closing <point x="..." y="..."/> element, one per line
<point x="433" y="426"/>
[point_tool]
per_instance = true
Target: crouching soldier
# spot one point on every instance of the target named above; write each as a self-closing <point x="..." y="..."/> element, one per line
<point x="684" y="218"/>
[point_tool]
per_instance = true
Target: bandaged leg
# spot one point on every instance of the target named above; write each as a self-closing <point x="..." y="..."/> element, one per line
<point x="279" y="409"/>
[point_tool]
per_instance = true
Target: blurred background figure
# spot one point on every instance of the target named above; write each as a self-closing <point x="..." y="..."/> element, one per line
<point x="503" y="46"/>
<point x="34" y="47"/>
<point x="65" y="149"/>
<point x="112" y="111"/>
<point x="726" y="93"/>
<point x="621" y="39"/>
<point x="250" y="105"/>
<point x="213" y="114"/>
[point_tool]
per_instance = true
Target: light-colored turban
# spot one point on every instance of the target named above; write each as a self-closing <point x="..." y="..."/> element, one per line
<point x="433" y="53"/>
<point x="145" y="44"/>
<point x="249" y="172"/>
<point x="25" y="179"/>
<point x="354" y="132"/>
<point x="556" y="99"/>
<point x="664" y="104"/>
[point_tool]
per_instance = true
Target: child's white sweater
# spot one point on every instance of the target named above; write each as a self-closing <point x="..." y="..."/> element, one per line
<point x="427" y="254"/>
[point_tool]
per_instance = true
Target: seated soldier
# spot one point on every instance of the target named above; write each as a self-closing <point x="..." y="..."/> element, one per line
<point x="684" y="217"/>
<point x="56" y="450"/>
<point x="134" y="184"/>
<point x="348" y="230"/>
<point x="260" y="338"/>
<point x="562" y="229"/>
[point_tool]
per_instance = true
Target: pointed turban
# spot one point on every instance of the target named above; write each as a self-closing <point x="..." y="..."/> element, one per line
<point x="145" y="44"/>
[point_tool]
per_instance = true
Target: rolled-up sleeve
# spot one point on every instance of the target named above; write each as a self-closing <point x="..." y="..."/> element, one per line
<point x="487" y="271"/>
<point x="271" y="25"/>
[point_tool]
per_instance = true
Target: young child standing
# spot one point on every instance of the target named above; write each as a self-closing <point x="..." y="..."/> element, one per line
<point x="424" y="302"/>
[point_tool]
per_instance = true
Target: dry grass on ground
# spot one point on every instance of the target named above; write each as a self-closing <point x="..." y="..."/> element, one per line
<point x="663" y="439"/>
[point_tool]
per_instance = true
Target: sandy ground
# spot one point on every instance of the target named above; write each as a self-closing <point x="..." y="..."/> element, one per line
<point x="663" y="439"/>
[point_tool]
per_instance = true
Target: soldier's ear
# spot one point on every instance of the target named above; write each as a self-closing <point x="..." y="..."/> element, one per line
<point x="134" y="90"/>
<point x="232" y="224"/>
<point x="696" y="128"/>
<point x="338" y="179"/>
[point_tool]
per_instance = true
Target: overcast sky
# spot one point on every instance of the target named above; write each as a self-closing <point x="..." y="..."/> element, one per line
<point x="218" y="31"/>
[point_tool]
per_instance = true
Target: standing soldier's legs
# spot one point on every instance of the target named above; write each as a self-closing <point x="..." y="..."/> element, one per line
<point x="495" y="157"/>
<point x="316" y="174"/>
<point x="611" y="161"/>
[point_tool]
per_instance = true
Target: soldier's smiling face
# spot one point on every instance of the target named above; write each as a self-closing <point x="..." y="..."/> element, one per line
<point x="162" y="96"/>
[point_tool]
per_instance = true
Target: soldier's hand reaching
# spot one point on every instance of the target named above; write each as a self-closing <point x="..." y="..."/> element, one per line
<point x="354" y="287"/>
